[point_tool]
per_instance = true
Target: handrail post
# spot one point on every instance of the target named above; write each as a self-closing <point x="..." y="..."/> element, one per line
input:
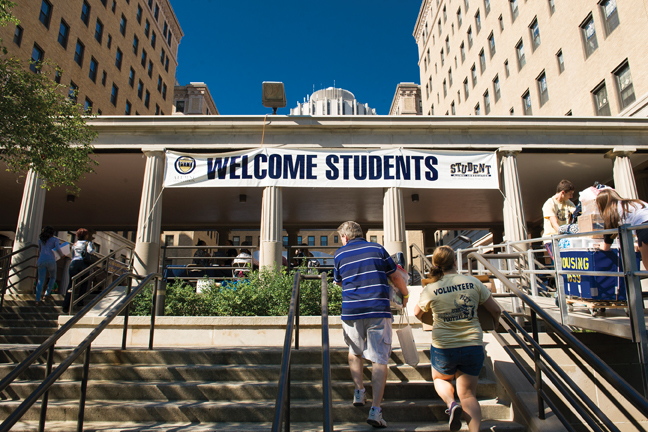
<point x="635" y="301"/>
<point x="297" y="313"/>
<point x="84" y="389"/>
<point x="532" y="275"/>
<point x="153" y="305"/>
<point x="48" y="370"/>
<point x="560" y="284"/>
<point x="537" y="362"/>
<point x="411" y="266"/>
<point x="326" y="359"/>
<point x="126" y="313"/>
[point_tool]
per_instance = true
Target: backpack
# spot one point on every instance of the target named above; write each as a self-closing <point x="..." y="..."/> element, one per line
<point x="85" y="256"/>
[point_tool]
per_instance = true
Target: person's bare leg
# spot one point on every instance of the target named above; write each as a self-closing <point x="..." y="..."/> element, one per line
<point x="355" y="365"/>
<point x="443" y="386"/>
<point x="467" y="391"/>
<point x="644" y="254"/>
<point x="378" y="381"/>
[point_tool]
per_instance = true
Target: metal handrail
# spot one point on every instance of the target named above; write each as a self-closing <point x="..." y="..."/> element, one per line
<point x="282" y="405"/>
<point x="582" y="404"/>
<point x="91" y="271"/>
<point x="6" y="267"/>
<point x="85" y="345"/>
<point x="424" y="261"/>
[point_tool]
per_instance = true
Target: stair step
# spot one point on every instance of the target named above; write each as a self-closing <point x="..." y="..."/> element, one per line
<point x="13" y="323"/>
<point x="27" y="331"/>
<point x="429" y="410"/>
<point x="22" y="339"/>
<point x="440" y="426"/>
<point x="227" y="390"/>
<point x="29" y="316"/>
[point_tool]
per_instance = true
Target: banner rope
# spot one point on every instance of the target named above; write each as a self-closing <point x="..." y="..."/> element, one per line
<point x="146" y="222"/>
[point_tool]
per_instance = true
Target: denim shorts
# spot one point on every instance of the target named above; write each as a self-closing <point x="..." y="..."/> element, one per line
<point x="370" y="337"/>
<point x="448" y="361"/>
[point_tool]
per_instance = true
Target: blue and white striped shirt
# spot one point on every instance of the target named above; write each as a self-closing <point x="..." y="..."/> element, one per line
<point x="362" y="268"/>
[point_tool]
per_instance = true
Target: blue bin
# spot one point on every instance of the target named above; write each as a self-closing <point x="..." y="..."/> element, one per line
<point x="605" y="288"/>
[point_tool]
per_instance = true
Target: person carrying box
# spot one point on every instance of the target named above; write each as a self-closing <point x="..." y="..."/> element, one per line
<point x="557" y="211"/>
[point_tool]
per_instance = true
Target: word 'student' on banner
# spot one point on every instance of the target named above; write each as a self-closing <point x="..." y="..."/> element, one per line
<point x="327" y="168"/>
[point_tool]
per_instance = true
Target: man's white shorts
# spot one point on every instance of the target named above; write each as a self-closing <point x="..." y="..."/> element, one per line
<point x="369" y="337"/>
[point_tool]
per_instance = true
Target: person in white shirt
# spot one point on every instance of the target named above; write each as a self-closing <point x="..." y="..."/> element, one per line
<point x="557" y="210"/>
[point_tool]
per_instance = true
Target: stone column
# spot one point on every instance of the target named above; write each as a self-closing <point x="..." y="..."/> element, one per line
<point x="30" y="222"/>
<point x="514" y="222"/>
<point x="147" y="243"/>
<point x="223" y="236"/>
<point x="271" y="228"/>
<point x="624" y="179"/>
<point x="394" y="221"/>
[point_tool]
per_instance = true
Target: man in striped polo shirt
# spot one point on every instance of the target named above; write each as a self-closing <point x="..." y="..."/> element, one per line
<point x="364" y="270"/>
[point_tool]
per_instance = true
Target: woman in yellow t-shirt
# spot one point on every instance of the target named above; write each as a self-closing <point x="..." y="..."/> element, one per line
<point x="457" y="350"/>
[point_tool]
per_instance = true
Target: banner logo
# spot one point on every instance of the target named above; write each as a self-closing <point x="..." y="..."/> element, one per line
<point x="470" y="170"/>
<point x="185" y="165"/>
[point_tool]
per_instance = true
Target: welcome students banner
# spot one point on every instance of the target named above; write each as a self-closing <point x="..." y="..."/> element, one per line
<point x="333" y="169"/>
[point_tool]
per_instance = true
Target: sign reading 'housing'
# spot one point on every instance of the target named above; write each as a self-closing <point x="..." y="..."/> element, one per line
<point x="328" y="168"/>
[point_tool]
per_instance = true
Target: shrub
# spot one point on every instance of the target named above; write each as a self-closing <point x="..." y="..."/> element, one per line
<point x="264" y="293"/>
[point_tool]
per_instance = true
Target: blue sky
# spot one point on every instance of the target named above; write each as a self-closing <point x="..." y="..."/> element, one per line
<point x="363" y="46"/>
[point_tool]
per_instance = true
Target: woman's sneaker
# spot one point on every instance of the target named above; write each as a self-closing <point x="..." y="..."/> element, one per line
<point x="454" y="412"/>
<point x="375" y="418"/>
<point x="359" y="397"/>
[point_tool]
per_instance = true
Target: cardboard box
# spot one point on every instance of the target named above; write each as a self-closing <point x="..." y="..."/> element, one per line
<point x="65" y="251"/>
<point x="589" y="223"/>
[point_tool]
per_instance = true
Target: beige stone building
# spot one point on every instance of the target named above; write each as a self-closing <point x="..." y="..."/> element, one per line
<point x="545" y="57"/>
<point x="407" y="100"/>
<point x="193" y="99"/>
<point x="120" y="56"/>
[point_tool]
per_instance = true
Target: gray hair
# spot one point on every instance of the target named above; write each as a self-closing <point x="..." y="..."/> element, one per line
<point x="350" y="229"/>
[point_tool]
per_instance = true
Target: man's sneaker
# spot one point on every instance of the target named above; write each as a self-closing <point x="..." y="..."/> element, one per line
<point x="454" y="412"/>
<point x="359" y="397"/>
<point x="375" y="418"/>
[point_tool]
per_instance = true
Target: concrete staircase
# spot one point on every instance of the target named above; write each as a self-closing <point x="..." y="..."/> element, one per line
<point x="231" y="389"/>
<point x="22" y="322"/>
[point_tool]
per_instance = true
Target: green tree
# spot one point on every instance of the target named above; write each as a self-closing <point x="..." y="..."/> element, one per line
<point x="42" y="128"/>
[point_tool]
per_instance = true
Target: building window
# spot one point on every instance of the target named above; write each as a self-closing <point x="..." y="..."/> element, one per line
<point x="467" y="4"/>
<point x="506" y="68"/>
<point x="143" y="61"/>
<point x="610" y="15"/>
<point x="491" y="44"/>
<point x="486" y="103"/>
<point x="87" y="108"/>
<point x="128" y="107"/>
<point x="561" y="61"/>
<point x="162" y="56"/>
<point x="285" y="241"/>
<point x="311" y="240"/>
<point x="624" y="85"/>
<point x="477" y="22"/>
<point x="535" y="34"/>
<point x="519" y="49"/>
<point x="147" y="99"/>
<point x="470" y="37"/>
<point x="57" y="76"/>
<point x="445" y="14"/>
<point x="589" y="35"/>
<point x="45" y="13"/>
<point x="552" y="7"/>
<point x="165" y="29"/>
<point x="36" y="59"/>
<point x="104" y="2"/>
<point x="526" y="103"/>
<point x="431" y="112"/>
<point x="85" y="13"/>
<point x="482" y="61"/>
<point x="487" y="7"/>
<point x="94" y="67"/>
<point x="118" y="59"/>
<point x="139" y="14"/>
<point x="104" y="77"/>
<point x="445" y="89"/>
<point x="156" y="14"/>
<point x="109" y="41"/>
<point x="135" y="44"/>
<point x="336" y="239"/>
<point x="73" y="91"/>
<point x="427" y="90"/>
<point x="18" y="34"/>
<point x="450" y="77"/>
<point x="501" y="23"/>
<point x="496" y="88"/>
<point x="131" y="77"/>
<point x="473" y="73"/>
<point x="477" y="109"/>
<point x="150" y="69"/>
<point x="373" y="239"/>
<point x="514" y="9"/>
<point x="542" y="88"/>
<point x="140" y="89"/>
<point x="153" y="39"/>
<point x="122" y="25"/>
<point x="512" y="111"/>
<point x="324" y="240"/>
<point x="452" y="108"/>
<point x="601" y="101"/>
<point x="448" y="44"/>
<point x="164" y="91"/>
<point x="568" y="113"/>
<point x="459" y="18"/>
<point x="78" y="53"/>
<point x="147" y="28"/>
<point x="150" y="4"/>
<point x="466" y="92"/>
<point x="462" y="48"/>
<point x="440" y="28"/>
<point x="113" y="94"/>
<point x="159" y="85"/>
<point x="114" y="6"/>
<point x="180" y="106"/>
<point x="236" y="240"/>
<point x="64" y="33"/>
<point x="442" y="57"/>
<point x="99" y="28"/>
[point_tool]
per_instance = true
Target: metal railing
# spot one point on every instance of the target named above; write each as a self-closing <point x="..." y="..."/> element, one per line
<point x="295" y="261"/>
<point x="83" y="347"/>
<point x="107" y="265"/>
<point x="282" y="406"/>
<point x="221" y="267"/>
<point x="425" y="265"/>
<point x="6" y="266"/>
